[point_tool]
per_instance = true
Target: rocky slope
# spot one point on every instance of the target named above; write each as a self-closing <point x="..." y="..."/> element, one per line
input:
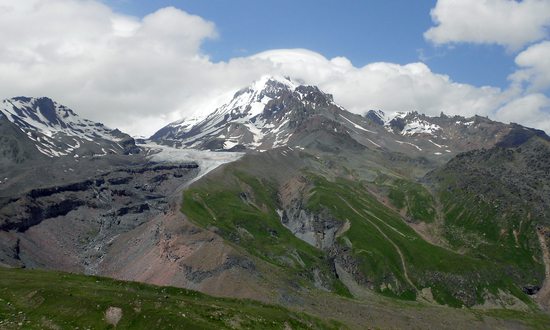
<point x="495" y="203"/>
<point x="341" y="233"/>
<point x="306" y="186"/>
<point x="70" y="226"/>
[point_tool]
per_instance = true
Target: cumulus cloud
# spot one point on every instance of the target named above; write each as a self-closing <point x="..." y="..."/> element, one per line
<point x="534" y="63"/>
<point x="126" y="71"/>
<point x="509" y="23"/>
<point x="532" y="110"/>
<point x="388" y="86"/>
<point x="138" y="74"/>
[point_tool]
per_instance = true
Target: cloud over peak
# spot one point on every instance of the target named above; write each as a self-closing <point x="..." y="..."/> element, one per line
<point x="140" y="73"/>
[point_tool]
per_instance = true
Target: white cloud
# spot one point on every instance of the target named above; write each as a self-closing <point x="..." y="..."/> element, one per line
<point x="139" y="74"/>
<point x="125" y="71"/>
<point x="535" y="67"/>
<point x="387" y="86"/>
<point x="509" y="23"/>
<point x="532" y="110"/>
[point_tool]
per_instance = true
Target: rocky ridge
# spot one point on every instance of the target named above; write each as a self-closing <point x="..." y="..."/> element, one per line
<point x="55" y="130"/>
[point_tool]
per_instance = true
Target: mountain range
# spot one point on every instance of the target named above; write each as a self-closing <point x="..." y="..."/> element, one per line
<point x="282" y="195"/>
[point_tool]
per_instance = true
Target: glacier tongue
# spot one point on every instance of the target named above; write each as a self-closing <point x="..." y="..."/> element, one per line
<point x="207" y="160"/>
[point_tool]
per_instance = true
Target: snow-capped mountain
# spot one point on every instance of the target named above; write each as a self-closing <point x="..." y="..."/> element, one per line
<point x="276" y="111"/>
<point x="240" y="122"/>
<point x="402" y="123"/>
<point x="270" y="113"/>
<point x="55" y="130"/>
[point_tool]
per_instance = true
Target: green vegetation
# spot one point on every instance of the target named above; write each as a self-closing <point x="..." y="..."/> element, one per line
<point x="488" y="233"/>
<point x="492" y="203"/>
<point x="533" y="320"/>
<point x="390" y="256"/>
<point x="243" y="209"/>
<point x="396" y="259"/>
<point x="413" y="198"/>
<point x="32" y="299"/>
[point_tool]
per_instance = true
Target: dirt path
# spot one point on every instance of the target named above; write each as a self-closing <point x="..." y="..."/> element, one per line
<point x="401" y="256"/>
<point x="543" y="296"/>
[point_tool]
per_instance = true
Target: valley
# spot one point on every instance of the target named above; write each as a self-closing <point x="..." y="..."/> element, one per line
<point x="283" y="196"/>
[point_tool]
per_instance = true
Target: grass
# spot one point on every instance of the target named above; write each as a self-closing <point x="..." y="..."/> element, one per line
<point x="33" y="299"/>
<point x="392" y="258"/>
<point x="222" y="205"/>
<point x="533" y="320"/>
<point x="489" y="233"/>
<point x="449" y="274"/>
<point x="413" y="198"/>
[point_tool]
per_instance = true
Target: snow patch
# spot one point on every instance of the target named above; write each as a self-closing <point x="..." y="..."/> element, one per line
<point x="357" y="126"/>
<point x="435" y="144"/>
<point x="420" y="127"/>
<point x="414" y="145"/>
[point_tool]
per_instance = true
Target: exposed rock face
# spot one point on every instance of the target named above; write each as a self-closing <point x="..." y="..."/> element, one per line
<point x="170" y="250"/>
<point x="123" y="223"/>
<point x="318" y="230"/>
<point x="85" y="216"/>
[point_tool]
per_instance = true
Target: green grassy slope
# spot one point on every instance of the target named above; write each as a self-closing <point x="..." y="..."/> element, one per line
<point x="397" y="260"/>
<point x="241" y="203"/>
<point x="33" y="299"/>
<point x="494" y="201"/>
<point x="255" y="225"/>
<point x="413" y="199"/>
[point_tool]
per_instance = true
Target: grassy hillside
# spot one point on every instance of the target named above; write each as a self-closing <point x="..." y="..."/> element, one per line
<point x="33" y="299"/>
<point x="396" y="260"/>
<point x="493" y="203"/>
<point x="378" y="247"/>
<point x="242" y="209"/>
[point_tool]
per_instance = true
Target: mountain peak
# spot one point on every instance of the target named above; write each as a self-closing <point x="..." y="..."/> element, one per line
<point x="266" y="106"/>
<point x="268" y="81"/>
<point x="58" y="131"/>
<point x="277" y="111"/>
<point x="268" y="85"/>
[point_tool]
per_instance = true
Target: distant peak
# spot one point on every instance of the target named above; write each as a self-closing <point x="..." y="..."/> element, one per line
<point x="28" y="99"/>
<point x="274" y="79"/>
<point x="377" y="116"/>
<point x="43" y="104"/>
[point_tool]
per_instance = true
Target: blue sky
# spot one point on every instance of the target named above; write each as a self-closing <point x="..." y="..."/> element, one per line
<point x="364" y="31"/>
<point x="140" y="64"/>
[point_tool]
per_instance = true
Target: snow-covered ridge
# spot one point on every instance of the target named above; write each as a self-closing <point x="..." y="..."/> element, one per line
<point x="56" y="130"/>
<point x="408" y="123"/>
<point x="252" y="100"/>
<point x="49" y="118"/>
<point x="240" y="120"/>
<point x="276" y="111"/>
<point x="419" y="126"/>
